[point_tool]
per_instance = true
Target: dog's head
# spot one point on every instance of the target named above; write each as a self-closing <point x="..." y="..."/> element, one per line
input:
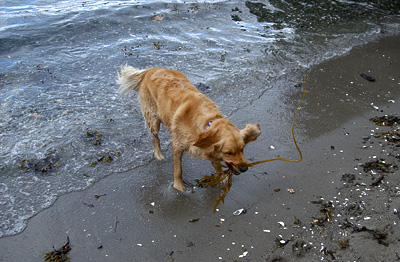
<point x="225" y="142"/>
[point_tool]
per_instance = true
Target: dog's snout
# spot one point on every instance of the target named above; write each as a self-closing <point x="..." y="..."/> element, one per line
<point x="243" y="168"/>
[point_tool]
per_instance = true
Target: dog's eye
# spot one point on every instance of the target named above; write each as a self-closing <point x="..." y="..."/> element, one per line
<point x="229" y="153"/>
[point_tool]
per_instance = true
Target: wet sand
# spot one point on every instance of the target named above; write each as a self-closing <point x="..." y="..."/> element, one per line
<point x="334" y="212"/>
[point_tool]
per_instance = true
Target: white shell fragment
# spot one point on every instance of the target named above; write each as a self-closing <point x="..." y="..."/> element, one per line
<point x="239" y="212"/>
<point x="244" y="254"/>
<point x="281" y="223"/>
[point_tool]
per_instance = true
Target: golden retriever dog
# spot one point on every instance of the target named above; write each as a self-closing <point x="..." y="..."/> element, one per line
<point x="194" y="121"/>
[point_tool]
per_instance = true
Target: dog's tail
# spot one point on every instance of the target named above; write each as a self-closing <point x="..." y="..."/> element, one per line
<point x="129" y="79"/>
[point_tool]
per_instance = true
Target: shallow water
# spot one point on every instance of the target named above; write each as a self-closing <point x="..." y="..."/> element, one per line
<point x="63" y="124"/>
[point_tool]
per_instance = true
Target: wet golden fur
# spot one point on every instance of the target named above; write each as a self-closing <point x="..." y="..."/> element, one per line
<point x="167" y="96"/>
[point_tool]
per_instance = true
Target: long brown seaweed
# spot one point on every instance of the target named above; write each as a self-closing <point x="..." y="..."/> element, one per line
<point x="214" y="180"/>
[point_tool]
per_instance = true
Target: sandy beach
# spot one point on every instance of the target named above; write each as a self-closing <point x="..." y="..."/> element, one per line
<point x="340" y="203"/>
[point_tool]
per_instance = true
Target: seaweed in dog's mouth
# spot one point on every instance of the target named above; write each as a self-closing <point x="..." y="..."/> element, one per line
<point x="226" y="176"/>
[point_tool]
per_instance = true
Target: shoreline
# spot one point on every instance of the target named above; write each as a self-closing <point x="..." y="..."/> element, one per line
<point x="151" y="221"/>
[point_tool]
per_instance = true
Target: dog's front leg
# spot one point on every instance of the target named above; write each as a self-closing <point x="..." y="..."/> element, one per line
<point x="178" y="183"/>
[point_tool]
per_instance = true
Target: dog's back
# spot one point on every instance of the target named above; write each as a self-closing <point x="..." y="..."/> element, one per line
<point x="169" y="95"/>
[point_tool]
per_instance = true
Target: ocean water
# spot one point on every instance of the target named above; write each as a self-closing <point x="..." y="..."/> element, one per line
<point x="63" y="126"/>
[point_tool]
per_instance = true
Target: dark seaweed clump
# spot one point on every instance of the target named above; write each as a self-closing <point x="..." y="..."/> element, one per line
<point x="45" y="165"/>
<point x="106" y="158"/>
<point x="378" y="165"/>
<point x="58" y="255"/>
<point x="93" y="136"/>
<point x="327" y="209"/>
<point x="385" y="120"/>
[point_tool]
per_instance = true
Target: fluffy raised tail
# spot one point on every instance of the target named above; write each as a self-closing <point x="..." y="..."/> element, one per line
<point x="129" y="79"/>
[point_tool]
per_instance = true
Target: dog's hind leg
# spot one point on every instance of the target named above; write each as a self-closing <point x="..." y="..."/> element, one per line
<point x="154" y="128"/>
<point x="153" y="122"/>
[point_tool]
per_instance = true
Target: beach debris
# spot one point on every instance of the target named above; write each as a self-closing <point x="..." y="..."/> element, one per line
<point x="93" y="136"/>
<point x="317" y="202"/>
<point x="116" y="224"/>
<point x="297" y="222"/>
<point x="88" y="204"/>
<point x="130" y="50"/>
<point x="291" y="191"/>
<point x="277" y="189"/>
<point x="239" y="212"/>
<point x="40" y="68"/>
<point x="366" y="76"/>
<point x="377" y="181"/>
<point x="378" y="165"/>
<point x="396" y="212"/>
<point x="345" y="243"/>
<point x="106" y="158"/>
<point x="193" y="220"/>
<point x="157" y="45"/>
<point x="98" y="196"/>
<point x="58" y="255"/>
<point x="44" y="165"/>
<point x="280" y="242"/>
<point x="157" y="18"/>
<point x="236" y="18"/>
<point x="244" y="254"/>
<point x="327" y="209"/>
<point x="108" y="120"/>
<point x="281" y="223"/>
<point x="391" y="136"/>
<point x="385" y="120"/>
<point x="36" y="115"/>
<point x="329" y="252"/>
<point x="225" y="177"/>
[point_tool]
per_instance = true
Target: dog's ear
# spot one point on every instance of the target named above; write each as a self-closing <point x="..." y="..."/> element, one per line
<point x="206" y="139"/>
<point x="250" y="132"/>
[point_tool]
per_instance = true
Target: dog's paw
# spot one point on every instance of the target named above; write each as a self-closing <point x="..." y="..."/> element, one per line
<point x="179" y="186"/>
<point x="159" y="155"/>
